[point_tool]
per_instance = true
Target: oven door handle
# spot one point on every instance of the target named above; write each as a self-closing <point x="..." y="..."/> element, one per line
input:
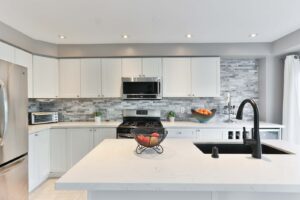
<point x="125" y="137"/>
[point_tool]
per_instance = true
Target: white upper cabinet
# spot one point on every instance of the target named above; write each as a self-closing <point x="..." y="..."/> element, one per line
<point x="111" y="77"/>
<point x="152" y="67"/>
<point x="24" y="59"/>
<point x="205" y="77"/>
<point x="6" y="52"/>
<point x="131" y="67"/>
<point x="69" y="78"/>
<point x="176" y="77"/>
<point x="45" y="77"/>
<point x="90" y="78"/>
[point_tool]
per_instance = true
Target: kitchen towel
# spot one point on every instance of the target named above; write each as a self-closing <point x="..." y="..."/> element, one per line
<point x="291" y="99"/>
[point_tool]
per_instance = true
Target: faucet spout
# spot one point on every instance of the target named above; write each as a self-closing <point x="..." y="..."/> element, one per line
<point x="254" y="142"/>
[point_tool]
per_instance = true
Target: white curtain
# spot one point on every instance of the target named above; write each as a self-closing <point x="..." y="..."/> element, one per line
<point x="291" y="100"/>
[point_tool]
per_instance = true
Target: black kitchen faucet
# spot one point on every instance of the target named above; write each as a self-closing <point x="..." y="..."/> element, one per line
<point x="254" y="142"/>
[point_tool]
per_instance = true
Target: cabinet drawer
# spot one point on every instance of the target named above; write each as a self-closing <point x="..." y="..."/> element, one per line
<point x="182" y="133"/>
<point x="210" y="135"/>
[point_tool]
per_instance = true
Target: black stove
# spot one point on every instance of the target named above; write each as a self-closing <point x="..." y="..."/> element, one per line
<point x="139" y="119"/>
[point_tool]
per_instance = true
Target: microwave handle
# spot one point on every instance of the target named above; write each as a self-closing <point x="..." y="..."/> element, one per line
<point x="158" y="85"/>
<point x="32" y="118"/>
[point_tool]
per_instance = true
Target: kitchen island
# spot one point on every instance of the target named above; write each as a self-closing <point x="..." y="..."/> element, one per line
<point x="114" y="171"/>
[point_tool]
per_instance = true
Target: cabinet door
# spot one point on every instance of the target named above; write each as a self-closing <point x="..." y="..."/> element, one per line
<point x="177" y="77"/>
<point x="152" y="67"/>
<point x="45" y="77"/>
<point x="111" y="77"/>
<point x="90" y="78"/>
<point x="81" y="142"/>
<point x="131" y="67"/>
<point x="6" y="52"/>
<point x="205" y="77"/>
<point x="69" y="78"/>
<point x="43" y="151"/>
<point x="32" y="163"/>
<point x="58" y="150"/>
<point x="39" y="158"/>
<point x="104" y="133"/>
<point x="24" y="59"/>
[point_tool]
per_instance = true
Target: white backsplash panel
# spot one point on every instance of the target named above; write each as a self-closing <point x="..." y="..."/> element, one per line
<point x="239" y="77"/>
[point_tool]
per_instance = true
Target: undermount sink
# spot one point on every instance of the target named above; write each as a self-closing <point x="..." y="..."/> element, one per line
<point x="237" y="148"/>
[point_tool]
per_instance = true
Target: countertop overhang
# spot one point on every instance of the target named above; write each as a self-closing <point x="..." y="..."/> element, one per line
<point x="114" y="166"/>
<point x="176" y="124"/>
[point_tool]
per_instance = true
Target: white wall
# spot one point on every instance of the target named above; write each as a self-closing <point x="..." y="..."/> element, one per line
<point x="262" y="85"/>
<point x="271" y="88"/>
<point x="287" y="44"/>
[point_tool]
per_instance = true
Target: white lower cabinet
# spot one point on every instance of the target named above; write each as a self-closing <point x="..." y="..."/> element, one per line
<point x="80" y="143"/>
<point x="103" y="133"/>
<point x="205" y="134"/>
<point x="70" y="145"/>
<point x="39" y="158"/>
<point x="58" y="146"/>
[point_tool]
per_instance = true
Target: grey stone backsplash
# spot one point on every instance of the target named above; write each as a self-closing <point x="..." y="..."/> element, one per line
<point x="239" y="77"/>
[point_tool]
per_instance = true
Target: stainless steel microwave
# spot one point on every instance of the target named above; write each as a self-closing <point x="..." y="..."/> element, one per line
<point x="136" y="88"/>
<point x="42" y="117"/>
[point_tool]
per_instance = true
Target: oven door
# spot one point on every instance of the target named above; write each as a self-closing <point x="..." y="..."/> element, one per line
<point x="124" y="133"/>
<point x="141" y="90"/>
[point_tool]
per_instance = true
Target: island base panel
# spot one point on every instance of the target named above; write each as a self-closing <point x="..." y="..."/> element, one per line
<point x="164" y="195"/>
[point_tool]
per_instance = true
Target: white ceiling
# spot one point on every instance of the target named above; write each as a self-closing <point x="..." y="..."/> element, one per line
<point x="152" y="21"/>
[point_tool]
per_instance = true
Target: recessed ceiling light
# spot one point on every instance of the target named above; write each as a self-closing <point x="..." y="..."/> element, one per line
<point x="253" y="35"/>
<point x="125" y="36"/>
<point x="188" y="35"/>
<point x="62" y="37"/>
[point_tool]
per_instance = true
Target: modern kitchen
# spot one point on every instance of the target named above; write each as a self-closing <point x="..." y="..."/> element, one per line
<point x="137" y="100"/>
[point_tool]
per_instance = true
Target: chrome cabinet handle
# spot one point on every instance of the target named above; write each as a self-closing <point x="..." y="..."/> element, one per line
<point x="5" y="105"/>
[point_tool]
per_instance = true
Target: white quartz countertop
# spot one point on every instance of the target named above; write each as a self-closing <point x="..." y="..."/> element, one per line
<point x="104" y="124"/>
<point x="114" y="166"/>
<point x="235" y="124"/>
<point x="178" y="124"/>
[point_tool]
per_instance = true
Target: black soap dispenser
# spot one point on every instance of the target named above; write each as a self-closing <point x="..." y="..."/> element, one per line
<point x="215" y="152"/>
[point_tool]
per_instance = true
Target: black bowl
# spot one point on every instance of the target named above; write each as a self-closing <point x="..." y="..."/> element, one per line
<point x="149" y="137"/>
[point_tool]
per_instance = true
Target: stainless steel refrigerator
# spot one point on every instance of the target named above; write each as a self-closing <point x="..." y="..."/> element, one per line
<point x="13" y="132"/>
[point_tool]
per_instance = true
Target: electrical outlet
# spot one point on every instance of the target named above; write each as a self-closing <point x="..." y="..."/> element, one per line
<point x="182" y="110"/>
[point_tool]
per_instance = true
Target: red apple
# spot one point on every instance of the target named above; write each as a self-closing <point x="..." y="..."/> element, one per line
<point x="155" y="134"/>
<point x="146" y="141"/>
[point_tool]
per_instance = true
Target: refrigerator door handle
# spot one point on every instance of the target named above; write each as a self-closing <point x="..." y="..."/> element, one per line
<point x="5" y="105"/>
